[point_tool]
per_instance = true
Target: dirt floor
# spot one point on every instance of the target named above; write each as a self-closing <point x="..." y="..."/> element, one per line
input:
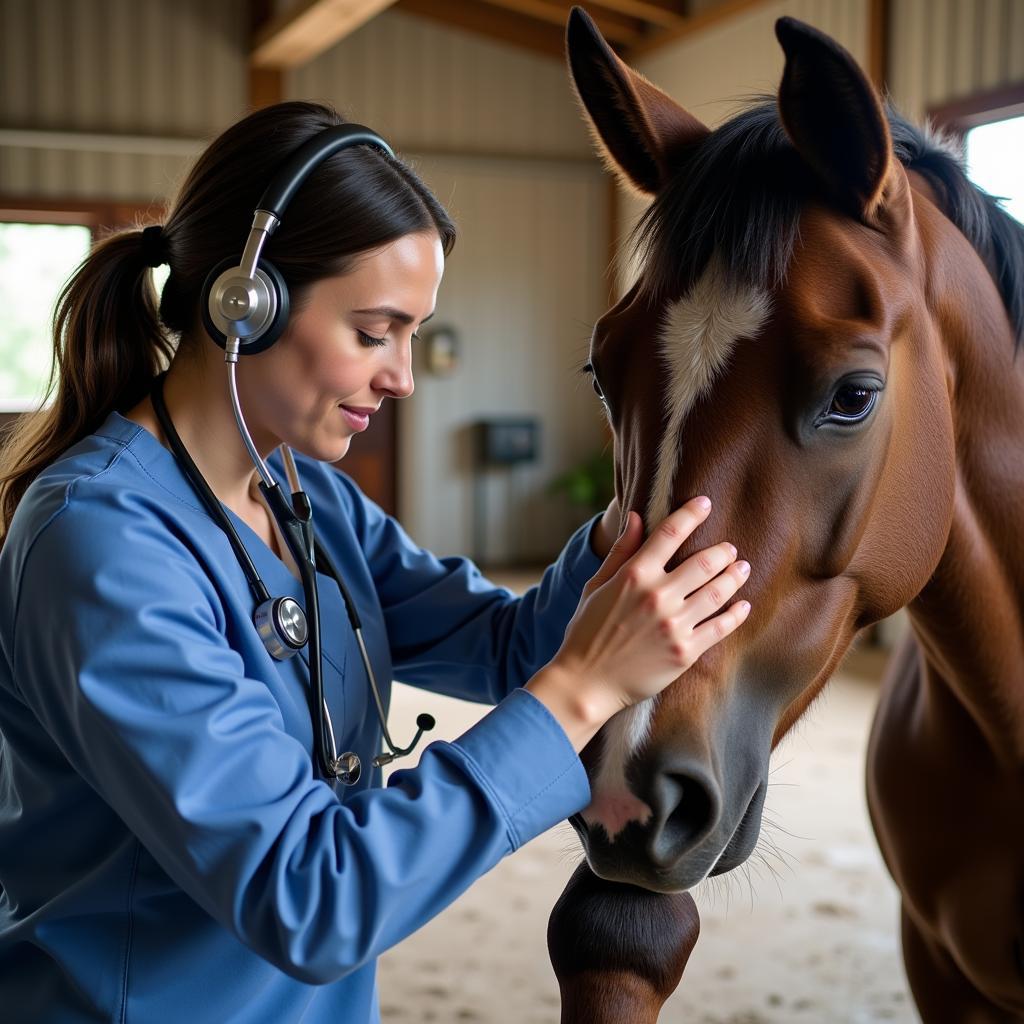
<point x="805" y="932"/>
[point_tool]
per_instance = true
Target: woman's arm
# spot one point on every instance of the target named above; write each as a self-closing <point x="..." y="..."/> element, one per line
<point x="452" y="631"/>
<point x="118" y="646"/>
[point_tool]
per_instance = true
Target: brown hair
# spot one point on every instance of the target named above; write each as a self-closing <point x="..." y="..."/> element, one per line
<point x="109" y="338"/>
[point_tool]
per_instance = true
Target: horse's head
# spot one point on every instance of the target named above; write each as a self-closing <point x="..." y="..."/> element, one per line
<point x="780" y="352"/>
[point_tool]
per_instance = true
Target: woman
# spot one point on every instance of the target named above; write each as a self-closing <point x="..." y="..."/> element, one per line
<point x="169" y="847"/>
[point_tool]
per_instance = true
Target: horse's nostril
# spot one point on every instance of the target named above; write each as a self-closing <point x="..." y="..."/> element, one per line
<point x="684" y="808"/>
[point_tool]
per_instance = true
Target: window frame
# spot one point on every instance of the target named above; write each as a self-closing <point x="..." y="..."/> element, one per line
<point x="957" y="117"/>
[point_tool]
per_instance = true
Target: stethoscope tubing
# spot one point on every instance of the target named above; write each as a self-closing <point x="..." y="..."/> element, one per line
<point x="295" y="520"/>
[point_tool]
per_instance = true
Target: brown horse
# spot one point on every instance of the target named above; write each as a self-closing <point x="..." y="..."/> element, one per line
<point x="824" y="339"/>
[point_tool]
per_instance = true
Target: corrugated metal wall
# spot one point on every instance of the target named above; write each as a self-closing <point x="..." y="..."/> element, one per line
<point x="142" y="67"/>
<point x="714" y="71"/>
<point x="428" y="87"/>
<point x="942" y="50"/>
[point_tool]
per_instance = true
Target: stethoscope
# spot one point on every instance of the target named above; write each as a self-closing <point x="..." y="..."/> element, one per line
<point x="245" y="309"/>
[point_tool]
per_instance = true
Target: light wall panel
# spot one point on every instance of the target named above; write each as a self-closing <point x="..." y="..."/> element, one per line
<point x="139" y="67"/>
<point x="944" y="50"/>
<point x="712" y="73"/>
<point x="523" y="288"/>
<point x="435" y="88"/>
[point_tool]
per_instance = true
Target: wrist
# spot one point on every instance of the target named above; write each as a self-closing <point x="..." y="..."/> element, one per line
<point x="572" y="704"/>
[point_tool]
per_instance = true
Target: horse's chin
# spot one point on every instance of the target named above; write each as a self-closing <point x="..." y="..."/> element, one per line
<point x="624" y="859"/>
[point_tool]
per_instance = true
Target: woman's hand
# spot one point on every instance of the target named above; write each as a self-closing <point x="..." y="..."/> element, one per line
<point x="636" y="628"/>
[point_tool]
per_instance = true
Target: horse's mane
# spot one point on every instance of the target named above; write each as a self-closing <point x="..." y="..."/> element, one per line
<point x="740" y="191"/>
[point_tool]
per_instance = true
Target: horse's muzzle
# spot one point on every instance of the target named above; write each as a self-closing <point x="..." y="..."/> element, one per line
<point x="692" y="832"/>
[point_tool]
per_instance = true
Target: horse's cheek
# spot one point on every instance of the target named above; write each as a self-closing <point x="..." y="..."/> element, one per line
<point x="899" y="551"/>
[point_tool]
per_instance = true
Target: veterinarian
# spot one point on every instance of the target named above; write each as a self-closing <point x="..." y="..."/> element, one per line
<point x="199" y="628"/>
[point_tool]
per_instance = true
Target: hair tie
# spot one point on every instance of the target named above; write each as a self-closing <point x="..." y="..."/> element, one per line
<point x="154" y="246"/>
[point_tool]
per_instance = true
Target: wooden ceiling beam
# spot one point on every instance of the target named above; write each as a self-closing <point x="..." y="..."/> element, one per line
<point x="695" y="23"/>
<point x="623" y="32"/>
<point x="878" y="42"/>
<point x="656" y="14"/>
<point x="309" y="27"/>
<point x="266" y="85"/>
<point x="493" y="22"/>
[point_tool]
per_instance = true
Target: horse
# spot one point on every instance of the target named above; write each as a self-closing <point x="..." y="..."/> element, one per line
<point x="824" y="338"/>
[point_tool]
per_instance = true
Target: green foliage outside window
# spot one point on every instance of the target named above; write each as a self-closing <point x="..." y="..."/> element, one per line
<point x="35" y="262"/>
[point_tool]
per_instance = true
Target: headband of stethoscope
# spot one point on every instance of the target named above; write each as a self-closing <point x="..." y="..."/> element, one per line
<point x="245" y="309"/>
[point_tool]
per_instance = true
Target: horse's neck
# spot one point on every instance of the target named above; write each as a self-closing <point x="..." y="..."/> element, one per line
<point x="969" y="619"/>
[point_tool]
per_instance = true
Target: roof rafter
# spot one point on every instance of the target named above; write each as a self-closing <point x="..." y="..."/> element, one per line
<point x="305" y="30"/>
<point x="615" y="28"/>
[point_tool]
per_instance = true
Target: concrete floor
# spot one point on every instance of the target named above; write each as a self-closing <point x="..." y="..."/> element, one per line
<point x="805" y="933"/>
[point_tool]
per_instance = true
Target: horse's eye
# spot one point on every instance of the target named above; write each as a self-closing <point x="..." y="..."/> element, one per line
<point x="852" y="403"/>
<point x="589" y="368"/>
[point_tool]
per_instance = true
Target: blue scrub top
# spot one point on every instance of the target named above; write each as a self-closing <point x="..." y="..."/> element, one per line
<point x="166" y="851"/>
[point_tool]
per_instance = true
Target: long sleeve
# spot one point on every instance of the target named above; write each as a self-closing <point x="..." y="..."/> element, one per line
<point x="121" y="649"/>
<point x="452" y="631"/>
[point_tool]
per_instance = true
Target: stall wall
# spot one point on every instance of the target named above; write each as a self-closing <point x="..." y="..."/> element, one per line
<point x="496" y="133"/>
<point x="136" y="67"/>
<point x="713" y="72"/>
<point x="523" y="288"/>
<point x="943" y="50"/>
<point x="429" y="87"/>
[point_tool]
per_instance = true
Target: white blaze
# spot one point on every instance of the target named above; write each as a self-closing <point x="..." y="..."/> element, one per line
<point x="696" y="341"/>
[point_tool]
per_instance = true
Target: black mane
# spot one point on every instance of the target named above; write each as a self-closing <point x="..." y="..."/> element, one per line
<point x="741" y="191"/>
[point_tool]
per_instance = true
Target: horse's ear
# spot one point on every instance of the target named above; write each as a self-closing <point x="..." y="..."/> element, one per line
<point x="636" y="126"/>
<point x="834" y="117"/>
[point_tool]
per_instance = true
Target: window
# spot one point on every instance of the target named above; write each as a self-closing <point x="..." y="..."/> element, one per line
<point x="41" y="245"/>
<point x="990" y="125"/>
<point x="995" y="161"/>
<point x="35" y="261"/>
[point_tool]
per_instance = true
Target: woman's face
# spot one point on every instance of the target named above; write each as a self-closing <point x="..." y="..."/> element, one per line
<point x="345" y="351"/>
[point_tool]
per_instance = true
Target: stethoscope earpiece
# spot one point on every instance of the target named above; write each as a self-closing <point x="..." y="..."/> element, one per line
<point x="254" y="310"/>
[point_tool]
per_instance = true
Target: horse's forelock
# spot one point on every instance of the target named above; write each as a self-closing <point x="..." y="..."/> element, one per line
<point x="739" y="195"/>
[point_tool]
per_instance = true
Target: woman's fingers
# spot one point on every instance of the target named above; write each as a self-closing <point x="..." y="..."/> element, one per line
<point x="709" y="633"/>
<point x="670" y="534"/>
<point x="637" y="626"/>
<point x="714" y="594"/>
<point x="701" y="567"/>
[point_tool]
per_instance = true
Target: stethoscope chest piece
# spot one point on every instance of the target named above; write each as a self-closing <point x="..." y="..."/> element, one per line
<point x="347" y="768"/>
<point x="282" y="626"/>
